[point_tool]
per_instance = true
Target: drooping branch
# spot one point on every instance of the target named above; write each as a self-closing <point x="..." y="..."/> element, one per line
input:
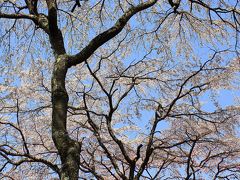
<point x="25" y="158"/>
<point x="221" y="12"/>
<point x="102" y="38"/>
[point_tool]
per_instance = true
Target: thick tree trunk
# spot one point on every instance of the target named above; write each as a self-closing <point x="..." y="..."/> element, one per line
<point x="69" y="150"/>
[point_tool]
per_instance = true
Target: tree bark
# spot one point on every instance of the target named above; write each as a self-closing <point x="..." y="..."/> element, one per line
<point x="69" y="150"/>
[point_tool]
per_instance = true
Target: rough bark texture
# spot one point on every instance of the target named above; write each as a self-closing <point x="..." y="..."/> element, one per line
<point x="69" y="150"/>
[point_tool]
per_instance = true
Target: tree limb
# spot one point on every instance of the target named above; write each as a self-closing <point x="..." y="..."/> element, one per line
<point x="105" y="36"/>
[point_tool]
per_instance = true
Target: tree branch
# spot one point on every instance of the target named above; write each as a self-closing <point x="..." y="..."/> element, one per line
<point x="18" y="16"/>
<point x="102" y="38"/>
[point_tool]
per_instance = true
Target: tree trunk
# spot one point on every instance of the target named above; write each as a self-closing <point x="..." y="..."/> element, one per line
<point x="69" y="150"/>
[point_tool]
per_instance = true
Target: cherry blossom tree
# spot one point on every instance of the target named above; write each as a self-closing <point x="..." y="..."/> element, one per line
<point x="122" y="89"/>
